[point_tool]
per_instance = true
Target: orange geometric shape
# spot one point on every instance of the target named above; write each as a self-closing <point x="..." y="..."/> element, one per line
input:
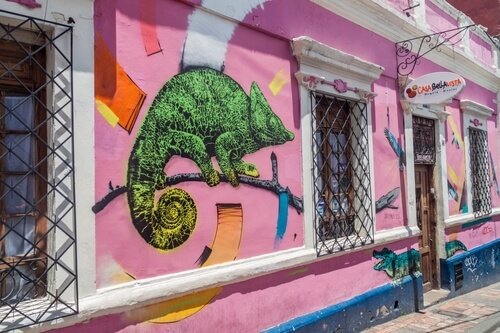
<point x="228" y="235"/>
<point x="224" y="248"/>
<point x="114" y="88"/>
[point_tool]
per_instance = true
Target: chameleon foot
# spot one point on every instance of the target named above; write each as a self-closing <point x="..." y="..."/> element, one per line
<point x="246" y="169"/>
<point x="212" y="178"/>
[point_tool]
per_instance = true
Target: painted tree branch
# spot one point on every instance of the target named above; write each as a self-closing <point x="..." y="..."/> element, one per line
<point x="271" y="185"/>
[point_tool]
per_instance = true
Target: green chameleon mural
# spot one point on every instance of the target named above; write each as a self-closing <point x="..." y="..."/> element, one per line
<point x="197" y="114"/>
<point x="397" y="265"/>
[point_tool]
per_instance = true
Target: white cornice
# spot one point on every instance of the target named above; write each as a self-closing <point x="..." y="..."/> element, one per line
<point x="377" y="16"/>
<point x="477" y="109"/>
<point x="433" y="111"/>
<point x="318" y="55"/>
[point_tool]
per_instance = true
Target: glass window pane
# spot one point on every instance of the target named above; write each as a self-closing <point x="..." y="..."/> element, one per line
<point x="16" y="245"/>
<point x="18" y="155"/>
<point x="18" y="194"/>
<point x="19" y="113"/>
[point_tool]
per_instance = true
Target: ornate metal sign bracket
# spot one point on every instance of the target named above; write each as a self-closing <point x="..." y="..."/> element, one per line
<point x="409" y="52"/>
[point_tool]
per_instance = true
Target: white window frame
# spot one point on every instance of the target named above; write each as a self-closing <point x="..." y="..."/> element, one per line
<point x="81" y="81"/>
<point x="471" y="110"/>
<point x="438" y="113"/>
<point x="320" y="65"/>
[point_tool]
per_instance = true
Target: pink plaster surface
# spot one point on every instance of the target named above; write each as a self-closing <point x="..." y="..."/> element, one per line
<point x="268" y="300"/>
<point x="455" y="154"/>
<point x="388" y="114"/>
<point x="251" y="56"/>
<point x="494" y="147"/>
<point x="481" y="50"/>
<point x="476" y="235"/>
<point x="247" y="60"/>
<point x="438" y="20"/>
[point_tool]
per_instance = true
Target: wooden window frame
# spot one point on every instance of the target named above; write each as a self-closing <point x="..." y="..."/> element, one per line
<point x="17" y="83"/>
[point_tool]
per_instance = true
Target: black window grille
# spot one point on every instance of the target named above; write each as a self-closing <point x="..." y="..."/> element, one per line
<point x="480" y="173"/>
<point x="342" y="190"/>
<point x="424" y="148"/>
<point x="38" y="278"/>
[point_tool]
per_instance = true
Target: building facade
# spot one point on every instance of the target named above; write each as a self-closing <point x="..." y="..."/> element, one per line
<point x="243" y="166"/>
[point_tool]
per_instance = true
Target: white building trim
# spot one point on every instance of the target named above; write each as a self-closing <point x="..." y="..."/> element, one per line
<point x="438" y="113"/>
<point x="320" y="65"/>
<point x="395" y="26"/>
<point x="475" y="115"/>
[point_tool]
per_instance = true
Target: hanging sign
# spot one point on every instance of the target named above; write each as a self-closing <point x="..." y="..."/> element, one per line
<point x="434" y="88"/>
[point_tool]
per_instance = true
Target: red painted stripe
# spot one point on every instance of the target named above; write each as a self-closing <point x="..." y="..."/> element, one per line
<point x="148" y="26"/>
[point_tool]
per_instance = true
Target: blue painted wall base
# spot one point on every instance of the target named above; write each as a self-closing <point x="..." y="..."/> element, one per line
<point x="372" y="308"/>
<point x="471" y="270"/>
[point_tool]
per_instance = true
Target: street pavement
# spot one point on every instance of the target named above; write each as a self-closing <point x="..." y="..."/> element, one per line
<point x="474" y="312"/>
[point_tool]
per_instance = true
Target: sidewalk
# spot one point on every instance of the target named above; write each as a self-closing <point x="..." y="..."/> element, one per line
<point x="475" y="312"/>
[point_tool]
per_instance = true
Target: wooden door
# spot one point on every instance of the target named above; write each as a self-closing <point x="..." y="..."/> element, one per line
<point x="426" y="223"/>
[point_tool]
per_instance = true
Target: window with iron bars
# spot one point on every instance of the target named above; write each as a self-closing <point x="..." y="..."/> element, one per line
<point x="480" y="173"/>
<point x="37" y="237"/>
<point x="342" y="190"/>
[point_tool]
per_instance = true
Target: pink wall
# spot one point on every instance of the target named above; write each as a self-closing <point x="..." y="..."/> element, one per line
<point x="251" y="56"/>
<point x="475" y="235"/>
<point x="455" y="158"/>
<point x="389" y="173"/>
<point x="481" y="50"/>
<point x="265" y="301"/>
<point x="438" y="20"/>
<point x="494" y="147"/>
<point x="257" y="51"/>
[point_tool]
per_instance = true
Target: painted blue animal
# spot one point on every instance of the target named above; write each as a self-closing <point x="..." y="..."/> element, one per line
<point x="397" y="265"/>
<point x="400" y="153"/>
<point x="387" y="199"/>
<point x="454" y="246"/>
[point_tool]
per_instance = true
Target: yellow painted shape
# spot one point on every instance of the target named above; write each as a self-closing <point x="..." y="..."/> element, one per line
<point x="453" y="176"/>
<point x="461" y="181"/>
<point x="455" y="130"/>
<point x="228" y="235"/>
<point x="122" y="277"/>
<point x="107" y="113"/>
<point x="173" y="310"/>
<point x="298" y="271"/>
<point x="277" y="83"/>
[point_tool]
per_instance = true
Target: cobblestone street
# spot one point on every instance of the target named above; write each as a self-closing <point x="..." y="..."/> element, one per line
<point x="477" y="311"/>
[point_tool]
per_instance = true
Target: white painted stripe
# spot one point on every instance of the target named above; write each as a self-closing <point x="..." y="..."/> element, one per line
<point x="207" y="38"/>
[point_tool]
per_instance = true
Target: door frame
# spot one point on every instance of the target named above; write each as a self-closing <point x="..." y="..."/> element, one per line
<point x="433" y="279"/>
<point x="439" y="115"/>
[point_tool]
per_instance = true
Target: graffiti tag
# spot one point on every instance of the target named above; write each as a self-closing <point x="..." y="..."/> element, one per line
<point x="487" y="229"/>
<point x="390" y="216"/>
<point x="471" y="263"/>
